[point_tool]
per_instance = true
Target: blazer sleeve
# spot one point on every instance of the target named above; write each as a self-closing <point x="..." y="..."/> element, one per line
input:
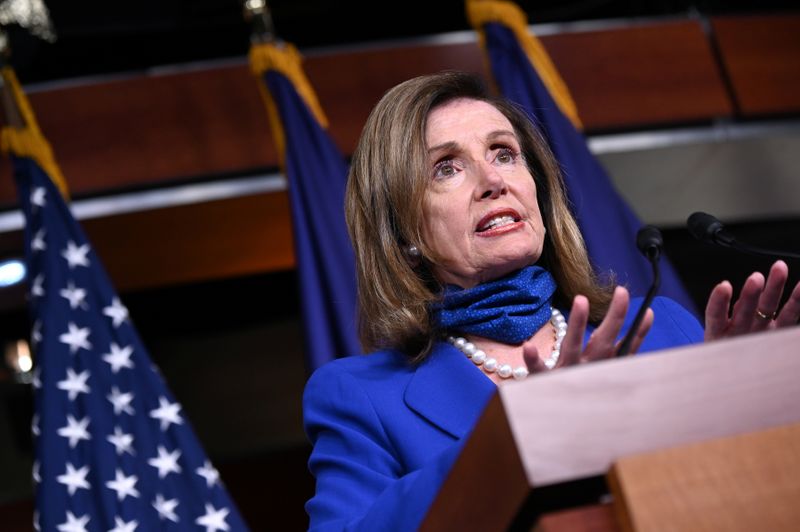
<point x="673" y="326"/>
<point x="360" y="485"/>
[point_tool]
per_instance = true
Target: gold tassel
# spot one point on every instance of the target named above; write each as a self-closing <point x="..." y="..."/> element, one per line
<point x="28" y="141"/>
<point x="286" y="60"/>
<point x="509" y="14"/>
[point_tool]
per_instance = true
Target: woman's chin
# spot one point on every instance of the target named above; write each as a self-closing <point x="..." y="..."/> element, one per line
<point x="495" y="265"/>
<point x="502" y="269"/>
<point x="506" y="269"/>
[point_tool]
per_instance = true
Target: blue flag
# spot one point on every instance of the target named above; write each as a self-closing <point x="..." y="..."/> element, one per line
<point x="113" y="448"/>
<point x="608" y="224"/>
<point x="317" y="176"/>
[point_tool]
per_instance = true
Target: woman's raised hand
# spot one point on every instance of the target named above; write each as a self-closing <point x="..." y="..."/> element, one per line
<point x="756" y="309"/>
<point x="603" y="341"/>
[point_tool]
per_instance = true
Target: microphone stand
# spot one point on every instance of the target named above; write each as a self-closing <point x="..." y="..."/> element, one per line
<point x="754" y="250"/>
<point x="653" y="253"/>
<point x="707" y="228"/>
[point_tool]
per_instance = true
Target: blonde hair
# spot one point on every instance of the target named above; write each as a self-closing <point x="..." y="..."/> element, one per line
<point x="386" y="188"/>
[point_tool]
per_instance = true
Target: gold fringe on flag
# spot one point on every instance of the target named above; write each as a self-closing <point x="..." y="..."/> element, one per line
<point x="28" y="140"/>
<point x="285" y="59"/>
<point x="509" y="14"/>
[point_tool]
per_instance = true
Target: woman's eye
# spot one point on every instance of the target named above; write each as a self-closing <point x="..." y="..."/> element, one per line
<point x="505" y="156"/>
<point x="444" y="169"/>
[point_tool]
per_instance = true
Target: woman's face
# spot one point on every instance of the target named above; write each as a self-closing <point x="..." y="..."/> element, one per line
<point x="481" y="219"/>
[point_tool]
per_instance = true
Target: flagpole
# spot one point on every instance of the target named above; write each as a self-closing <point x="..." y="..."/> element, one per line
<point x="11" y="112"/>
<point x="257" y="13"/>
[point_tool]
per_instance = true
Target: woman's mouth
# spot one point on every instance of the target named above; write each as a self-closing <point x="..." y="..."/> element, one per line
<point x="495" y="221"/>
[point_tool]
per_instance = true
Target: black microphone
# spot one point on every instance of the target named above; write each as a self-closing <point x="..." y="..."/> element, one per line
<point x="649" y="242"/>
<point x="706" y="228"/>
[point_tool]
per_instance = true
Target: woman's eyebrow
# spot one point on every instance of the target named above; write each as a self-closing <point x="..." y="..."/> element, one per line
<point x="452" y="145"/>
<point x="498" y="133"/>
<point x="445" y="146"/>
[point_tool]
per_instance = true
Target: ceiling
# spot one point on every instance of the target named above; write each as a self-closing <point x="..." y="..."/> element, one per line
<point x="96" y="37"/>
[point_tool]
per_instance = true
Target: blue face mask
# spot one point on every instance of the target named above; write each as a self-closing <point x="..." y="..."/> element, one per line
<point x="510" y="309"/>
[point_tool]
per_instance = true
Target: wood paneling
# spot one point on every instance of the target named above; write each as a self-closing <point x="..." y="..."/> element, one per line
<point x="198" y="242"/>
<point x="150" y="129"/>
<point x="209" y="240"/>
<point x="761" y="55"/>
<point x="657" y="74"/>
<point x="139" y="131"/>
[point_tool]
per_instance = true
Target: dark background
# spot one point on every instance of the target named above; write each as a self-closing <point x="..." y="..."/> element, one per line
<point x="99" y="37"/>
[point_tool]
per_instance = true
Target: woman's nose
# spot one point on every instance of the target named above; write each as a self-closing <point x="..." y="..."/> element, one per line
<point x="491" y="184"/>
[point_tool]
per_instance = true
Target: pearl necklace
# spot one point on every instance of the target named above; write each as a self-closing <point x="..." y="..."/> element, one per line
<point x="490" y="364"/>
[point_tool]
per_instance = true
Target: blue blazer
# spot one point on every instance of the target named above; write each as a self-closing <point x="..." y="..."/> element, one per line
<point x="385" y="433"/>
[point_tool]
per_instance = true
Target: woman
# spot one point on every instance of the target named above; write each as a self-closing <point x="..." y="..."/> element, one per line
<point x="468" y="258"/>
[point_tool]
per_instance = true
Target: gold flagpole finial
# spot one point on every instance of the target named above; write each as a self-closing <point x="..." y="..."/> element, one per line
<point x="30" y="14"/>
<point x="256" y="12"/>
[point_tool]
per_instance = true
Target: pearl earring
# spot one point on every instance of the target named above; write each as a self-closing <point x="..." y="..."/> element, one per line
<point x="413" y="251"/>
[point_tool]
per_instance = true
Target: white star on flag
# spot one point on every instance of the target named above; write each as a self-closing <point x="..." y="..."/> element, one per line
<point x="119" y="357"/>
<point x="36" y="334"/>
<point x="213" y="519"/>
<point x="209" y="473"/>
<point x="37" y="244"/>
<point x="76" y="255"/>
<point x="75" y="430"/>
<point x="165" y="462"/>
<point x="35" y="473"/>
<point x="74" y="524"/>
<point x="38" y="197"/>
<point x="35" y="425"/>
<point x="116" y="311"/>
<point x="121" y="526"/>
<point x="37" y="290"/>
<point x="76" y="338"/>
<point x="121" y="401"/>
<point x="75" y="383"/>
<point x="74" y="478"/>
<point x="75" y="296"/>
<point x="122" y="442"/>
<point x="166" y="508"/>
<point x="167" y="412"/>
<point x="124" y="486"/>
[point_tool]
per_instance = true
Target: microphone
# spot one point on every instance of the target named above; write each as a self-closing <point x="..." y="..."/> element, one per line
<point x="707" y="228"/>
<point x="649" y="242"/>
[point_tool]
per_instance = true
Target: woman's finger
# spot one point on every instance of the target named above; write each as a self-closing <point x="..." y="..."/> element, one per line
<point x="716" y="317"/>
<point x="744" y="310"/>
<point x="790" y="313"/>
<point x="642" y="331"/>
<point x="572" y="344"/>
<point x="530" y="354"/>
<point x="770" y="297"/>
<point x="601" y="343"/>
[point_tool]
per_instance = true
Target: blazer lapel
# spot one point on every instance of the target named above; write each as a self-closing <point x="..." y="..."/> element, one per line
<point x="449" y="391"/>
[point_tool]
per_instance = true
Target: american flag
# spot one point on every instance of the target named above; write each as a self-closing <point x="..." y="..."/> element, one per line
<point x="114" y="449"/>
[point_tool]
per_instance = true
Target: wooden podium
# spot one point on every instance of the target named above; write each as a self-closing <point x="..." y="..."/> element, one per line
<point x="705" y="437"/>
